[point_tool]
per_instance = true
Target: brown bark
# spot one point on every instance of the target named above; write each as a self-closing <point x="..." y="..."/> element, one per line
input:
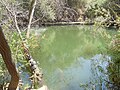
<point x="6" y="55"/>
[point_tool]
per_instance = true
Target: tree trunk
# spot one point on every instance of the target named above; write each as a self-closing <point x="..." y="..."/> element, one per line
<point x="6" y="55"/>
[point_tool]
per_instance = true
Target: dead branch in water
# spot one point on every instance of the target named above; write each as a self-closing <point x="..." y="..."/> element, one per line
<point x="68" y="23"/>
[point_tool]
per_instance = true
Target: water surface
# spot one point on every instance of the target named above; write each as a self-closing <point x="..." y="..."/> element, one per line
<point x="65" y="54"/>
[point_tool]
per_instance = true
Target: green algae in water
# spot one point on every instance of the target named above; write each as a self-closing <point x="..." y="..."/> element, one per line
<point x="70" y="41"/>
<point x="60" y="48"/>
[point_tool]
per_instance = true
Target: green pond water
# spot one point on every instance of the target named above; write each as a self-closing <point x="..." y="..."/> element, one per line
<point x="68" y="55"/>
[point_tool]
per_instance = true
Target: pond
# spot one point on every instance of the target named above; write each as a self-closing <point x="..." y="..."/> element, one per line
<point x="70" y="55"/>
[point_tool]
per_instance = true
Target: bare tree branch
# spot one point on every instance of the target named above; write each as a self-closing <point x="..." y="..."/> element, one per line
<point x="31" y="12"/>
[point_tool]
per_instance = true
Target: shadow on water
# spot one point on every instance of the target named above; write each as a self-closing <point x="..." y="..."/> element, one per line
<point x="70" y="57"/>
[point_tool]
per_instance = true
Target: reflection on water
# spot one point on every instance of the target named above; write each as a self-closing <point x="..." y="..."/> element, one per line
<point x="71" y="77"/>
<point x="81" y="72"/>
<point x="67" y="55"/>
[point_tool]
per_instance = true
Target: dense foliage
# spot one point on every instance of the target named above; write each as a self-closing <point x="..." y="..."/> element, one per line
<point x="102" y="12"/>
<point x="114" y="66"/>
